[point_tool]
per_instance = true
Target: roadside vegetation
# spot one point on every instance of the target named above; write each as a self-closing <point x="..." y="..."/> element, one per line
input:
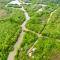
<point x="45" y="47"/>
<point x="10" y="28"/>
<point x="39" y="20"/>
<point x="28" y="41"/>
<point x="40" y="40"/>
<point x="52" y="28"/>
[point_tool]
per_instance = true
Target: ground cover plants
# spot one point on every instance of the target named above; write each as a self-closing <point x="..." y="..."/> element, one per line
<point x="30" y="31"/>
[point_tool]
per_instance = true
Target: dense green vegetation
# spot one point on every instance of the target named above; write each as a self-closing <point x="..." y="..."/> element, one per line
<point x="43" y="1"/>
<point x="39" y="20"/>
<point x="31" y="9"/>
<point x="9" y="31"/>
<point x="15" y="6"/>
<point x="28" y="41"/>
<point x="47" y="46"/>
<point x="46" y="49"/>
<point x="52" y="28"/>
<point x="43" y="34"/>
<point x="10" y="21"/>
<point x="3" y="3"/>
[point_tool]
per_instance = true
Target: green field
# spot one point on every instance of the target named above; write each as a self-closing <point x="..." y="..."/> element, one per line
<point x="41" y="38"/>
<point x="28" y="41"/>
<point x="47" y="46"/>
<point x="39" y="20"/>
<point x="10" y="28"/>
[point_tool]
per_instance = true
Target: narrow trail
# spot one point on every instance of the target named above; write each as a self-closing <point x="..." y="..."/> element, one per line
<point x="40" y="35"/>
<point x="13" y="53"/>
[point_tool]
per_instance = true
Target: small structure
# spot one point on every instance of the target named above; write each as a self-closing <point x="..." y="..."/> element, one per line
<point x="33" y="49"/>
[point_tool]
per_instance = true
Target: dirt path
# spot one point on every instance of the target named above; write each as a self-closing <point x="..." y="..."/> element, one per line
<point x="13" y="53"/>
<point x="31" y="48"/>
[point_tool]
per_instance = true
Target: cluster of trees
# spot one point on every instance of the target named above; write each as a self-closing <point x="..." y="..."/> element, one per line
<point x="47" y="46"/>
<point x="39" y="20"/>
<point x="9" y="31"/>
<point x="3" y="3"/>
<point x="18" y="17"/>
<point x="43" y="1"/>
<point x="46" y="49"/>
<point x="8" y="36"/>
<point x="15" y="6"/>
<point x="52" y="29"/>
<point x="30" y="9"/>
